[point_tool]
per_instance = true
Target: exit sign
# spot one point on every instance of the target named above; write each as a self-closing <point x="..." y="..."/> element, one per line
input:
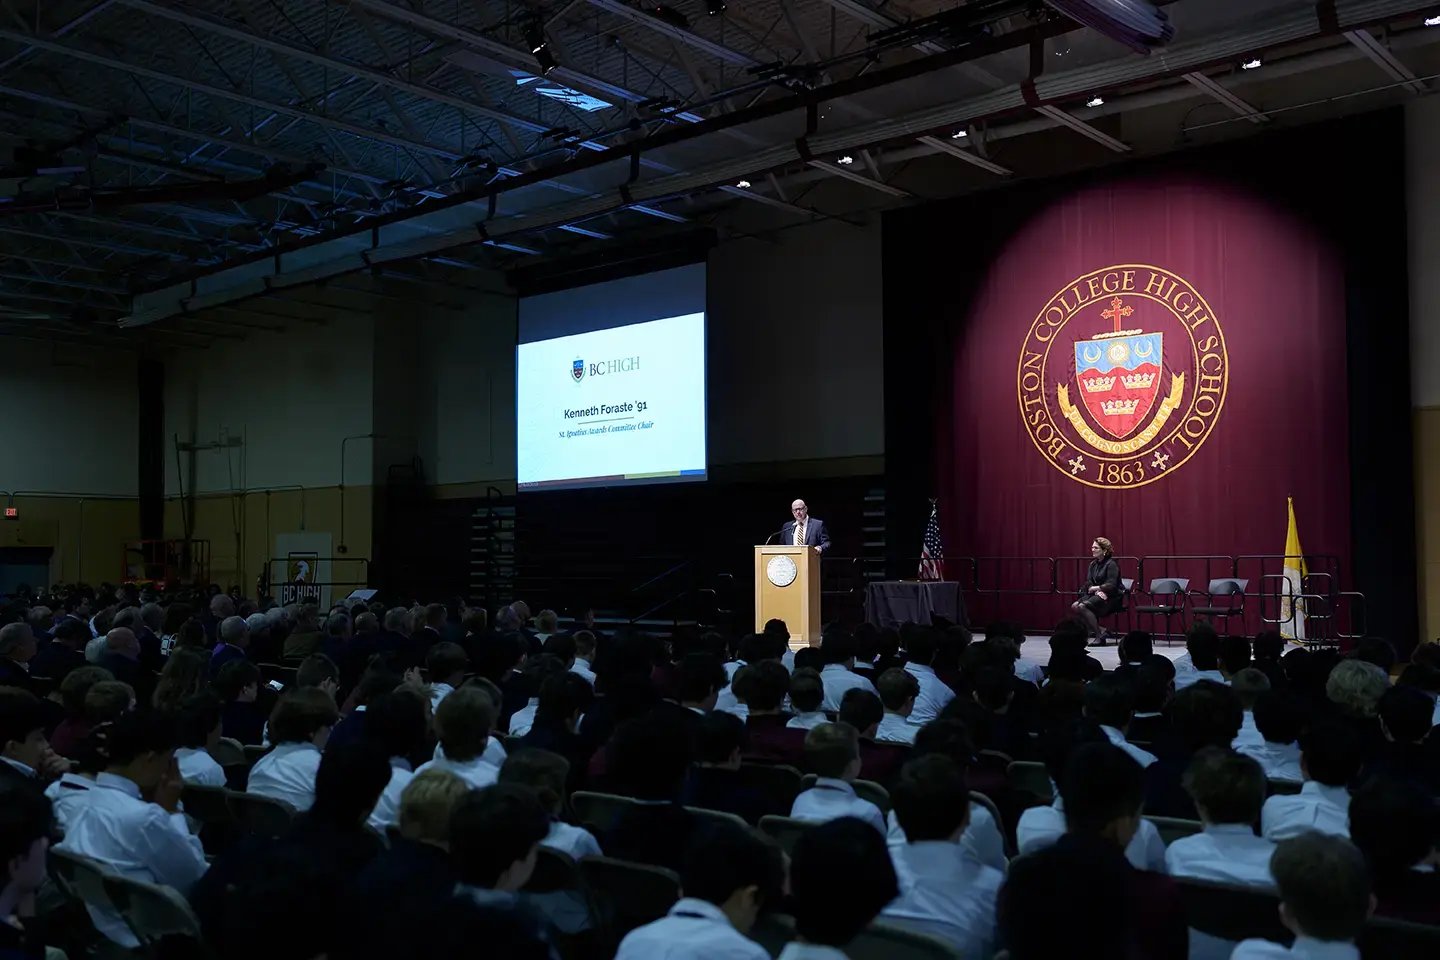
<point x="12" y="513"/>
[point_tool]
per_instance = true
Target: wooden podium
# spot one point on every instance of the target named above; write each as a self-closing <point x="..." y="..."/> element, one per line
<point x="787" y="587"/>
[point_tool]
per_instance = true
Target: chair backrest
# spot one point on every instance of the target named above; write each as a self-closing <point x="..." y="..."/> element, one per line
<point x="1232" y="912"/>
<point x="977" y="797"/>
<point x="872" y="791"/>
<point x="207" y="804"/>
<point x="886" y="941"/>
<point x="1031" y="778"/>
<point x="1168" y="585"/>
<point x="80" y="877"/>
<point x="630" y="894"/>
<point x="152" y="912"/>
<point x="1386" y="938"/>
<point x="1174" y="828"/>
<point x="1127" y="584"/>
<point x="228" y="750"/>
<point x="717" y="817"/>
<point x="785" y="831"/>
<point x="778" y="782"/>
<point x="599" y="810"/>
<point x="554" y="870"/>
<point x="1227" y="586"/>
<point x="263" y="816"/>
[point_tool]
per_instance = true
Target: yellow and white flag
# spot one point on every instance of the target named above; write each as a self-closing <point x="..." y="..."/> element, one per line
<point x="1294" y="572"/>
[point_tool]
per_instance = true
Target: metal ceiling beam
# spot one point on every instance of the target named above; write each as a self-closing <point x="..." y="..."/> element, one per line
<point x="863" y="13"/>
<point x="1214" y="88"/>
<point x="1380" y="55"/>
<point x="354" y="129"/>
<point x="71" y="284"/>
<point x="969" y="156"/>
<point x="1082" y="128"/>
<point x="769" y="201"/>
<point x="68" y="265"/>
<point x="717" y="50"/>
<point x="835" y="170"/>
<point x="122" y="248"/>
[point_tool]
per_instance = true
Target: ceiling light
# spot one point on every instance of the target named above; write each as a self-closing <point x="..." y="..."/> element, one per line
<point x="1095" y="101"/>
<point x="540" y="48"/>
<point x="960" y="134"/>
<point x="1433" y="21"/>
<point x="743" y="184"/>
<point x="1251" y="64"/>
<point x="714" y="7"/>
<point x="846" y="160"/>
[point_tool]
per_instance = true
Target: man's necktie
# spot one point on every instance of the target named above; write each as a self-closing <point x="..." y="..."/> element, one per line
<point x="800" y="534"/>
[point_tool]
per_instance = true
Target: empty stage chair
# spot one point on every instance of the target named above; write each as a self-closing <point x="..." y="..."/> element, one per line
<point x="785" y="831"/>
<point x="1174" y="828"/>
<point x="1167" y="601"/>
<point x="1223" y="599"/>
<point x="1031" y="779"/>
<point x="599" y="810"/>
<point x="152" y="912"/>
<point x="630" y="894"/>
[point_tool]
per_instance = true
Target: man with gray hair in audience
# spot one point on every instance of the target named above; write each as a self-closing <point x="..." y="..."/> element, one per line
<point x="17" y="648"/>
<point x="41" y="619"/>
<point x="234" y="641"/>
<point x="122" y="659"/>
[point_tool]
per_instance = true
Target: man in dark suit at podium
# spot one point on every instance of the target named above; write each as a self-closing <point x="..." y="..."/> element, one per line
<point x="805" y="530"/>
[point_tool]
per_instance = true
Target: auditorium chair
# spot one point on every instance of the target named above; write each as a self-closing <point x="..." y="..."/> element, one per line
<point x="1387" y="939"/>
<point x="629" y="895"/>
<point x="714" y="818"/>
<point x="1005" y="835"/>
<point x="154" y="913"/>
<point x="228" y="751"/>
<point x="786" y="831"/>
<point x="1030" y="778"/>
<point x="780" y="783"/>
<point x="1232" y="912"/>
<point x="262" y="816"/>
<point x="1175" y="828"/>
<point x="80" y="877"/>
<point x="599" y="811"/>
<point x="1223" y="598"/>
<point x="882" y="940"/>
<point x="1167" y="601"/>
<point x="1112" y="620"/>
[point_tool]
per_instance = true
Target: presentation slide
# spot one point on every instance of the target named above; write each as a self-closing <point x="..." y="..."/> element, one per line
<point x="619" y="405"/>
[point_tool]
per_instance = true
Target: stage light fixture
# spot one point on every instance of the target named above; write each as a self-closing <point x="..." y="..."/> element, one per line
<point x="743" y="184"/>
<point x="1095" y="101"/>
<point x="1253" y="64"/>
<point x="714" y="7"/>
<point x="1433" y="21"/>
<point x="960" y="134"/>
<point x="540" y="47"/>
<point x="846" y="160"/>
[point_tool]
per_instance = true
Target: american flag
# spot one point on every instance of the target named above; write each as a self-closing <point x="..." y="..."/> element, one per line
<point x="932" y="554"/>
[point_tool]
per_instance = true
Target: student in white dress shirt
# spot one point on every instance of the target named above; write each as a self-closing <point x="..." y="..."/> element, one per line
<point x="1249" y="684"/>
<point x="832" y="752"/>
<point x="584" y="655"/>
<point x="495" y="836"/>
<point x="1325" y="900"/>
<point x="943" y="892"/>
<point x="807" y="695"/>
<point x="140" y="839"/>
<point x="299" y="728"/>
<point x="838" y="649"/>
<point x="198" y="727"/>
<point x="1041" y="827"/>
<point x="729" y="876"/>
<point x="921" y="645"/>
<point x="1203" y="650"/>
<point x="462" y="725"/>
<point x="446" y="663"/>
<point x="1007" y="639"/>
<point x="1228" y="790"/>
<point x="545" y="773"/>
<point x="1278" y="719"/>
<point x="981" y="838"/>
<point x="1110" y="702"/>
<point x="396" y="723"/>
<point x="536" y="672"/>
<point x="841" y="877"/>
<point x="1330" y="759"/>
<point x="898" y="690"/>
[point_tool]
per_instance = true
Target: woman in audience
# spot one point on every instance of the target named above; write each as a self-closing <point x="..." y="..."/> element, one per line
<point x="183" y="677"/>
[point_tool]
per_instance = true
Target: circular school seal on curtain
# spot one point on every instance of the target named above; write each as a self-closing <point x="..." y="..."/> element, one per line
<point x="1122" y="376"/>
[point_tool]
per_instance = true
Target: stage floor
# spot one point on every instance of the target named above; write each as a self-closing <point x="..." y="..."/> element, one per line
<point x="1037" y="650"/>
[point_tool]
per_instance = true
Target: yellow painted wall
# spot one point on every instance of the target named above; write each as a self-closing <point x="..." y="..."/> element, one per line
<point x="86" y="534"/>
<point x="242" y="529"/>
<point x="1427" y="517"/>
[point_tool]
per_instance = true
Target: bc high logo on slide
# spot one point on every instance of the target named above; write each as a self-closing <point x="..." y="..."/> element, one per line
<point x="1138" y="380"/>
<point x="577" y="370"/>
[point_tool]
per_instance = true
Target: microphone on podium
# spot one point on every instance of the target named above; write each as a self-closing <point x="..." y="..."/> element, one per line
<point x="772" y="536"/>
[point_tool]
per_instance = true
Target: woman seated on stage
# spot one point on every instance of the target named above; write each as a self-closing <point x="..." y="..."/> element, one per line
<point x="1100" y="596"/>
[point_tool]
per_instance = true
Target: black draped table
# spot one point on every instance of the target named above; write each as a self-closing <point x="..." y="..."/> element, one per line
<point x="889" y="603"/>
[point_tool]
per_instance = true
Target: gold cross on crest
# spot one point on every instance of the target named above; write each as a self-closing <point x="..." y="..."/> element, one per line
<point x="1118" y="309"/>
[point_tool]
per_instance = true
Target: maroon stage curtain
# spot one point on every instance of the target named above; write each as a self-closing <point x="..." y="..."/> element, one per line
<point x="1208" y="261"/>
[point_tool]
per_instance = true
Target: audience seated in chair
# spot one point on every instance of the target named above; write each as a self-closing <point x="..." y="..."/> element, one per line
<point x="1324" y="899"/>
<point x="26" y="826"/>
<point x="1203" y="714"/>
<point x="68" y="735"/>
<point x="1278" y="719"/>
<point x="1040" y="827"/>
<point x="25" y="755"/>
<point x="1154" y="686"/>
<point x="648" y="760"/>
<point x="377" y="680"/>
<point x="943" y="891"/>
<point x="1005" y="640"/>
<point x="1110" y="702"/>
<point x="898" y="690"/>
<point x="1103" y="789"/>
<point x="463" y="725"/>
<point x="1201" y="660"/>
<point x="729" y="876"/>
<point x="238" y="685"/>
<point x="1134" y="649"/>
<point x="989" y="710"/>
<point x="921" y="646"/>
<point x="1228" y="790"/>
<point x="1396" y="825"/>
<point x="446" y="664"/>
<point x="837" y="677"/>
<point x="1405" y="721"/>
<point x="545" y="773"/>
<point x="565" y="698"/>
<point x="771" y="738"/>
<point x="1249" y="684"/>
<point x="807" y="697"/>
<point x="198" y="729"/>
<point x="1329" y="761"/>
<point x="832" y="753"/>
<point x="715" y="783"/>
<point x="981" y="838"/>
<point x="1353" y="689"/>
<point x="829" y="915"/>
<point x="879" y="762"/>
<point x="299" y="729"/>
<point x="114" y="824"/>
<point x="1234" y="656"/>
<point x="396" y="724"/>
